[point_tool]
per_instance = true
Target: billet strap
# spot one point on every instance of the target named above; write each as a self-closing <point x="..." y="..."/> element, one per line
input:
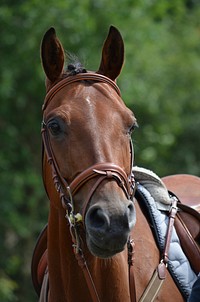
<point x="172" y="216"/>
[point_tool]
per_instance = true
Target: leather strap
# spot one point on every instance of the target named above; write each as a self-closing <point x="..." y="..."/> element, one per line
<point x="154" y="286"/>
<point x="88" y="76"/>
<point x="107" y="170"/>
<point x="88" y="278"/>
<point x="172" y="216"/>
<point x="159" y="275"/>
<point x="103" y="171"/>
<point x="130" y="247"/>
<point x="188" y="243"/>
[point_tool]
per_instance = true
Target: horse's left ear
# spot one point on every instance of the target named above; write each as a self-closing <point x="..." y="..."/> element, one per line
<point x="112" y="54"/>
<point x="52" y="55"/>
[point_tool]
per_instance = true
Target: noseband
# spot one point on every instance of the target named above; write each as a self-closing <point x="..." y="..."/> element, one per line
<point x="100" y="171"/>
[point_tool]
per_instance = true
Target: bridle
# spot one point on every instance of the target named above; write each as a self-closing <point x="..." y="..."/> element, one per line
<point x="99" y="172"/>
<point x="88" y="76"/>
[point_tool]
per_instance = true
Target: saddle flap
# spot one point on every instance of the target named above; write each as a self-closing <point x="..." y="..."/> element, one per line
<point x="39" y="261"/>
<point x="187" y="224"/>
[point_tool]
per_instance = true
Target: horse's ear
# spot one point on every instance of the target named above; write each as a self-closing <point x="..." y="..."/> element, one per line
<point x="52" y="54"/>
<point x="112" y="54"/>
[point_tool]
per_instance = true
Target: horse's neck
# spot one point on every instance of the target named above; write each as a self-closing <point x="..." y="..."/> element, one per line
<point x="66" y="279"/>
<point x="67" y="282"/>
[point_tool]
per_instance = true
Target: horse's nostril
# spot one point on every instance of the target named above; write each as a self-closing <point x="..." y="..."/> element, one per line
<point x="131" y="214"/>
<point x="97" y="219"/>
<point x="130" y="208"/>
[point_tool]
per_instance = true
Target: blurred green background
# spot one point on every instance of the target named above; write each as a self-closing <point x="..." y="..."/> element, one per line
<point x="160" y="82"/>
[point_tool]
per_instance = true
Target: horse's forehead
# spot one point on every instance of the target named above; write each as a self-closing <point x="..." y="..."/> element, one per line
<point x="83" y="97"/>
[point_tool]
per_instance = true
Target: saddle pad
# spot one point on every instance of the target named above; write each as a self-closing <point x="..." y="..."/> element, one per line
<point x="178" y="265"/>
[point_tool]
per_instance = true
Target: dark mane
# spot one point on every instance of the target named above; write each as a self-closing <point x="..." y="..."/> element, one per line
<point x="75" y="66"/>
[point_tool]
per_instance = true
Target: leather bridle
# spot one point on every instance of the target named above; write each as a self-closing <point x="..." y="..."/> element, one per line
<point x="99" y="172"/>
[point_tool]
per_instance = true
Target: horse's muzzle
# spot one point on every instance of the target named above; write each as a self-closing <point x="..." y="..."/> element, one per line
<point x="108" y="229"/>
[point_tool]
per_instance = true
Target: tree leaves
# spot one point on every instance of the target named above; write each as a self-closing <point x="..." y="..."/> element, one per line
<point x="160" y="82"/>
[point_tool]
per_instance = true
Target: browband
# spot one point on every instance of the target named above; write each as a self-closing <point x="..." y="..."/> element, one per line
<point x="90" y="76"/>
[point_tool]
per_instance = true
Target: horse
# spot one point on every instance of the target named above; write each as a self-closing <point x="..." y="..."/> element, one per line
<point x="87" y="172"/>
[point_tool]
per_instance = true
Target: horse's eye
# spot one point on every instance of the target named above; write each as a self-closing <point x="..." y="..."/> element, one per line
<point x="132" y="128"/>
<point x="54" y="128"/>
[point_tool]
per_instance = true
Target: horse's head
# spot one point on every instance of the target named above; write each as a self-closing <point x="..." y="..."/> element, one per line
<point x="86" y="133"/>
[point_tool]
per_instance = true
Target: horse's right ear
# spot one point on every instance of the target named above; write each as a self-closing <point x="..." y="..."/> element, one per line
<point x="112" y="54"/>
<point x="52" y="55"/>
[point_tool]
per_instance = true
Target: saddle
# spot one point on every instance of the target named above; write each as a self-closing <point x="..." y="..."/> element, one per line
<point x="187" y="223"/>
<point x="187" y="189"/>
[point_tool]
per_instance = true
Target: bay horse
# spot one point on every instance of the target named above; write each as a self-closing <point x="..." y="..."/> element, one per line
<point x="87" y="147"/>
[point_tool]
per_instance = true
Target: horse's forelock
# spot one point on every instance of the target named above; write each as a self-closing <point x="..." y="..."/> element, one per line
<point x="74" y="66"/>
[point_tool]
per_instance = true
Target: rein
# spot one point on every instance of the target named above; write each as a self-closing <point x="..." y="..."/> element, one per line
<point x="99" y="171"/>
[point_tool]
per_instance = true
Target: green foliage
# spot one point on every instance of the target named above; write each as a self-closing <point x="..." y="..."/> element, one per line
<point x="7" y="288"/>
<point x="159" y="82"/>
<point x="166" y="90"/>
